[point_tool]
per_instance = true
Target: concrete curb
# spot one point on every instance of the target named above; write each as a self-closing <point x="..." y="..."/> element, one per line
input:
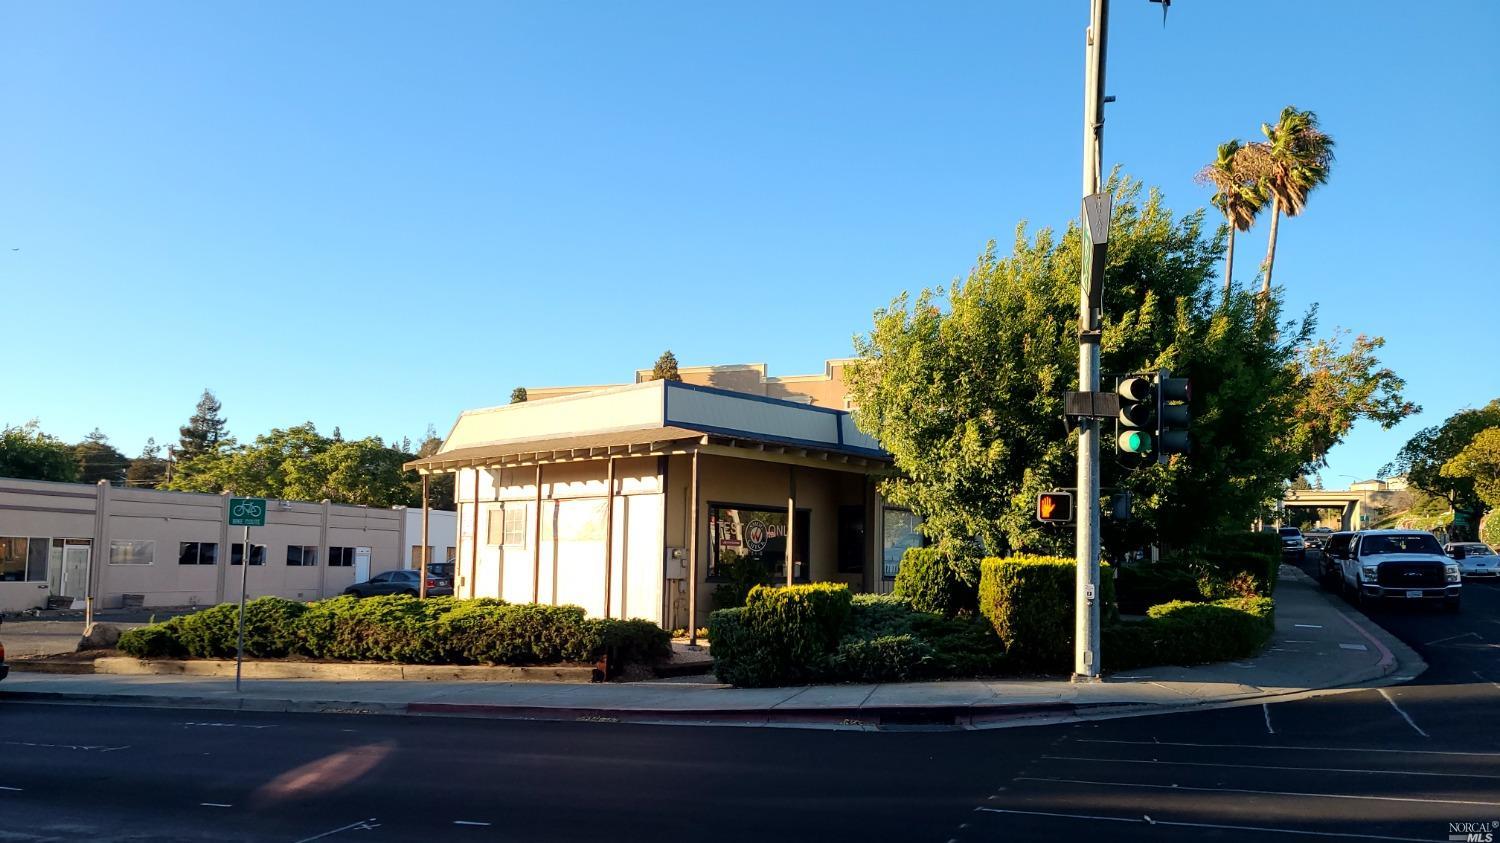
<point x="354" y="672"/>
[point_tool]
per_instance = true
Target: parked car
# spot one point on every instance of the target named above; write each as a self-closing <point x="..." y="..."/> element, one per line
<point x="1334" y="549"/>
<point x="390" y="582"/>
<point x="1316" y="537"/>
<point x="439" y="579"/>
<point x="1475" y="559"/>
<point x="4" y="668"/>
<point x="1402" y="565"/>
<point x="1292" y="545"/>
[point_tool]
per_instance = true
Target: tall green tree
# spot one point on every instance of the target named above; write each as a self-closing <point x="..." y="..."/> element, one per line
<point x="1295" y="158"/>
<point x="1238" y="197"/>
<point x="99" y="460"/>
<point x="964" y="386"/>
<point x="1479" y="463"/>
<point x="206" y="431"/>
<point x="298" y="463"/>
<point x="666" y="367"/>
<point x="26" y="453"/>
<point x="148" y="470"/>
<point x="1422" y="459"/>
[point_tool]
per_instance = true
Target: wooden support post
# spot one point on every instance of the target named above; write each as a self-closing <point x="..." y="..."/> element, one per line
<point x="474" y="542"/>
<point x="791" y="521"/>
<point x="536" y="547"/>
<point x="609" y="534"/>
<point x="693" y="556"/>
<point x="426" y="511"/>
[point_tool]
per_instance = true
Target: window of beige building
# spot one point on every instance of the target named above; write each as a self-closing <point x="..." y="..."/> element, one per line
<point x="23" y="559"/>
<point x="198" y="553"/>
<point x="129" y="552"/>
<point x="341" y="557"/>
<point x="507" y="526"/>
<point x="302" y="556"/>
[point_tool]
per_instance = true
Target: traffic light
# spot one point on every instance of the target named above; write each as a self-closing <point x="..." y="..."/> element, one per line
<point x="1172" y="415"/>
<point x="1053" y="507"/>
<point x="1137" y="415"/>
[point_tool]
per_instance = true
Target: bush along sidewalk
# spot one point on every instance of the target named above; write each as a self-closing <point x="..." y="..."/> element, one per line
<point x="1022" y="623"/>
<point x="406" y="630"/>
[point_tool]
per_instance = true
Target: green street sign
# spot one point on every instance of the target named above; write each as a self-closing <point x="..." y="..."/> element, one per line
<point x="247" y="512"/>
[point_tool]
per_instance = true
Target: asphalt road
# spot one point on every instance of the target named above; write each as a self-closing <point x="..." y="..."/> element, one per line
<point x="1398" y="763"/>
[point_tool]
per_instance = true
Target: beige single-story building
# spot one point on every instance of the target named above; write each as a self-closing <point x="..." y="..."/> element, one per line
<point x="637" y="501"/>
<point x="158" y="548"/>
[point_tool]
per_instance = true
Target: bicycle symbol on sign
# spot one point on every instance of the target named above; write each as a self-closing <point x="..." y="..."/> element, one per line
<point x="248" y="509"/>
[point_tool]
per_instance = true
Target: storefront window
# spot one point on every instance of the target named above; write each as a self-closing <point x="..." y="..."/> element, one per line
<point x="900" y="534"/>
<point x="756" y="536"/>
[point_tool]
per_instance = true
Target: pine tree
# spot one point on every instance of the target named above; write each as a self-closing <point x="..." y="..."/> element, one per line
<point x="205" y="430"/>
<point x="666" y="367"/>
<point x="148" y="470"/>
<point x="518" y="395"/>
<point x="99" y="460"/>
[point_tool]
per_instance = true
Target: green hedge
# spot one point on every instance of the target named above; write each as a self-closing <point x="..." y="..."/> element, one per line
<point x="1029" y="600"/>
<point x="404" y="629"/>
<point x="1184" y="633"/>
<point x="876" y="638"/>
<point x="1249" y="562"/>
<point x="932" y="581"/>
<point x="783" y="635"/>
<point x="1141" y="586"/>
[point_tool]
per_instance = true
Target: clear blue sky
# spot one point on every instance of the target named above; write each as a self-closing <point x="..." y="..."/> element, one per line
<point x="374" y="215"/>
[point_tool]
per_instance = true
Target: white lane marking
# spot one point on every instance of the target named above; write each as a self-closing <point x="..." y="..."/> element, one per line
<point x="1481" y="678"/>
<point x="1452" y="638"/>
<point x="1269" y="767"/>
<point x="1299" y="641"/>
<point x="1265" y="829"/>
<point x="1304" y="748"/>
<point x="1308" y="625"/>
<point x="80" y="747"/>
<point x="467" y="822"/>
<point x="1360" y="647"/>
<point x="1267" y="709"/>
<point x="363" y="825"/>
<point x="232" y="725"/>
<point x="12" y="789"/>
<point x="1182" y="787"/>
<point x="1409" y="721"/>
<point x="216" y="804"/>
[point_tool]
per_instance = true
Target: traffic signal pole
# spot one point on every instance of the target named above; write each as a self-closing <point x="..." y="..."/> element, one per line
<point x="1086" y="630"/>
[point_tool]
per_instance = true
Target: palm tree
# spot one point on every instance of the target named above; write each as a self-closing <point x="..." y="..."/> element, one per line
<point x="1237" y="195"/>
<point x="1295" y="158"/>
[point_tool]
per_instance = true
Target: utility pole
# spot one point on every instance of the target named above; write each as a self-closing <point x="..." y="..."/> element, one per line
<point x="1086" y="598"/>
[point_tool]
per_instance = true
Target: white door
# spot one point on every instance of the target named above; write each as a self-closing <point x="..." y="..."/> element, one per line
<point x="361" y="564"/>
<point x="71" y="578"/>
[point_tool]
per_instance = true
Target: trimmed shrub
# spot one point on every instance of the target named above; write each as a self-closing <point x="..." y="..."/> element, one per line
<point x="1029" y="601"/>
<point x="932" y="581"/>
<point x="740" y="657"/>
<point x="876" y="615"/>
<point x="1185" y="633"/>
<point x="404" y="629"/>
<point x="630" y="642"/>
<point x="782" y="635"/>
<point x="157" y="641"/>
<point x="888" y="658"/>
<point x="210" y="633"/>
<point x="1253" y="560"/>
<point x="961" y="647"/>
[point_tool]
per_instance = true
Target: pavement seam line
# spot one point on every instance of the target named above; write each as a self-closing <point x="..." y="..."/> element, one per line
<point x="1252" y="792"/>
<point x="1177" y="824"/>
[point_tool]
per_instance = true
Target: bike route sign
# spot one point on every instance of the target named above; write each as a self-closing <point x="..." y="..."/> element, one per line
<point x="247" y="512"/>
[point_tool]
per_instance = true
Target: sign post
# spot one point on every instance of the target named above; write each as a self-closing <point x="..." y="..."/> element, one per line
<point x="247" y="513"/>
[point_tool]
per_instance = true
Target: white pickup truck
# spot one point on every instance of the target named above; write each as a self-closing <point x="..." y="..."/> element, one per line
<point x="1400" y="565"/>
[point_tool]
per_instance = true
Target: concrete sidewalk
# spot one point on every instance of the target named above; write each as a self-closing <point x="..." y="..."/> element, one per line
<point x="1319" y="644"/>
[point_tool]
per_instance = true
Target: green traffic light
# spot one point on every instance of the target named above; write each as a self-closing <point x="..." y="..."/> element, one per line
<point x="1135" y="442"/>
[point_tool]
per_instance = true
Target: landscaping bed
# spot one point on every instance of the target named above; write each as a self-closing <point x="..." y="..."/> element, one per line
<point x="967" y="618"/>
<point x="405" y="630"/>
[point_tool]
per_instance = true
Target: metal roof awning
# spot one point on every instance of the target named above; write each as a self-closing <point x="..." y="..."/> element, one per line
<point x="655" y="440"/>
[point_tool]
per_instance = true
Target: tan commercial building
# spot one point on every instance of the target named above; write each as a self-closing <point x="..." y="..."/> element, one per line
<point x="156" y="548"/>
<point x="638" y="501"/>
<point x="825" y="390"/>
